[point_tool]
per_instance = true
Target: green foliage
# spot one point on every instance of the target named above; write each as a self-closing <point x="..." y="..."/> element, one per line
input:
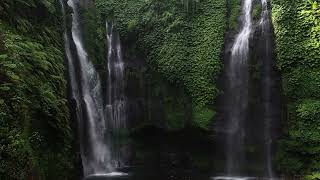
<point x="297" y="29"/>
<point x="94" y="36"/>
<point x="302" y="83"/>
<point x="203" y="117"/>
<point x="175" y="109"/>
<point x="35" y="134"/>
<point x="176" y="105"/>
<point x="190" y="5"/>
<point x="314" y="176"/>
<point x="300" y="150"/>
<point x="184" y="48"/>
<point x="29" y="15"/>
<point x="234" y="13"/>
<point x="297" y="26"/>
<point x="257" y="10"/>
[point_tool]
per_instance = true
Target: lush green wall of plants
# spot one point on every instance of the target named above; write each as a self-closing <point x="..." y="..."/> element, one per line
<point x="297" y="30"/>
<point x="182" y="42"/>
<point x="35" y="133"/>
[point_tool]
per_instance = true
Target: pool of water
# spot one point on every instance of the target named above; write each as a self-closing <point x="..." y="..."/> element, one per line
<point x="169" y="175"/>
<point x="243" y="178"/>
<point x="175" y="157"/>
<point x="172" y="177"/>
<point x="146" y="177"/>
<point x="147" y="174"/>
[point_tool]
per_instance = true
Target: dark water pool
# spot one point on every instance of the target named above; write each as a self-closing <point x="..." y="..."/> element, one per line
<point x="181" y="156"/>
<point x="147" y="174"/>
<point x="148" y="177"/>
<point x="173" y="177"/>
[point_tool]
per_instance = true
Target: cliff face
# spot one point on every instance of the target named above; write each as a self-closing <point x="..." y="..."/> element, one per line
<point x="175" y="52"/>
<point x="35" y="129"/>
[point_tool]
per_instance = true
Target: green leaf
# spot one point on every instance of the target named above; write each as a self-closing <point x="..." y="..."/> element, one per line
<point x="4" y="88"/>
<point x="11" y="66"/>
<point x="315" y="5"/>
<point x="3" y="56"/>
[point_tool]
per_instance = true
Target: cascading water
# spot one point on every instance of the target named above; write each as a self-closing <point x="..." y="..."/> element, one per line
<point x="72" y="73"/>
<point x="116" y="100"/>
<point x="249" y="122"/>
<point x="101" y="152"/>
<point x="86" y="90"/>
<point x="268" y="83"/>
<point x="237" y="89"/>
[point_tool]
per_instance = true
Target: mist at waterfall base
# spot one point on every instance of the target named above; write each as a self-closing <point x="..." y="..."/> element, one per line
<point x="247" y="138"/>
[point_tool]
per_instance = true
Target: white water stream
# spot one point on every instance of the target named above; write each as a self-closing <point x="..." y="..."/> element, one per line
<point x="238" y="89"/>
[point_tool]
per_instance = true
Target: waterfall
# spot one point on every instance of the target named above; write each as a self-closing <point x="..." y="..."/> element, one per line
<point x="237" y="90"/>
<point x="71" y="69"/>
<point x="73" y="84"/>
<point x="101" y="123"/>
<point x="267" y="83"/>
<point x="265" y="17"/>
<point x="116" y="100"/>
<point x="260" y="110"/>
<point x="86" y="90"/>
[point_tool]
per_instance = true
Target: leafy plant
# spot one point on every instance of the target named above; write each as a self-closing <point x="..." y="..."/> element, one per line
<point x="184" y="49"/>
<point x="35" y="133"/>
<point x="297" y="30"/>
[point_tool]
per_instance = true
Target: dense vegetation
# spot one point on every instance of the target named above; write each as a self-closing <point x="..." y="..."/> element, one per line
<point x="189" y="38"/>
<point x="181" y="42"/>
<point x="297" y="29"/>
<point x="35" y="133"/>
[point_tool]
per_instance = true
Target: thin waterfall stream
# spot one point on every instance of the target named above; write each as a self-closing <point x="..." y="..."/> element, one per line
<point x="116" y="100"/>
<point x="238" y="90"/>
<point x="269" y="83"/>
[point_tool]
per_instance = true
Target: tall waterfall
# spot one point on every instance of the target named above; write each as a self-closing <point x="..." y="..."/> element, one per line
<point x="268" y="83"/>
<point x="86" y="91"/>
<point x="237" y="89"/>
<point x="116" y="99"/>
<point x="250" y="122"/>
